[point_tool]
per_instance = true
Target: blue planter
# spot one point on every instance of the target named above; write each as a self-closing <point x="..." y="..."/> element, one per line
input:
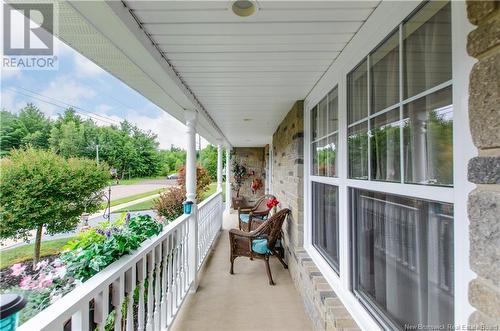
<point x="10" y="305"/>
<point x="188" y="207"/>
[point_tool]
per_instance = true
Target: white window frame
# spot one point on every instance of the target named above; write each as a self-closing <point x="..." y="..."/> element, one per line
<point x="386" y="18"/>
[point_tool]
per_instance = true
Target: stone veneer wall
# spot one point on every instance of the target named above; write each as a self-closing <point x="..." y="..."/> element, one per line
<point x="484" y="170"/>
<point x="253" y="158"/>
<point x="320" y="302"/>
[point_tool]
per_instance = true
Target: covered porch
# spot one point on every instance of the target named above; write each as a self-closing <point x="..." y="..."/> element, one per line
<point x="243" y="301"/>
<point x="288" y="93"/>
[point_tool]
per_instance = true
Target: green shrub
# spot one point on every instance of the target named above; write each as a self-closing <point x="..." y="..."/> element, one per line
<point x="40" y="189"/>
<point x="169" y="204"/>
<point x="202" y="180"/>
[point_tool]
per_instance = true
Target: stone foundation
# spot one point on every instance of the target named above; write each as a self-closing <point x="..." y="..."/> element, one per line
<point x="484" y="170"/>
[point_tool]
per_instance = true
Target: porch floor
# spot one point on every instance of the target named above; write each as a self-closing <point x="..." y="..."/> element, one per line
<point x="245" y="300"/>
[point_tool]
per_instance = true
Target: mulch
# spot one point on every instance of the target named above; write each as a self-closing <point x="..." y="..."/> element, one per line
<point x="8" y="281"/>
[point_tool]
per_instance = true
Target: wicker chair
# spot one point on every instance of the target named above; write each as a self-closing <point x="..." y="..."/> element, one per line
<point x="251" y="217"/>
<point x="260" y="243"/>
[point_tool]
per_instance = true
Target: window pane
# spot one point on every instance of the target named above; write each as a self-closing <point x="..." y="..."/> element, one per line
<point x="384" y="74"/>
<point x="331" y="150"/>
<point x="322" y="157"/>
<point x="385" y="153"/>
<point x="314" y="122"/>
<point x="404" y="258"/>
<point x="314" y="159"/>
<point x="428" y="139"/>
<point x="333" y="111"/>
<point x="357" y="143"/>
<point x="325" y="222"/>
<point x="427" y="48"/>
<point x="322" y="118"/>
<point x="357" y="102"/>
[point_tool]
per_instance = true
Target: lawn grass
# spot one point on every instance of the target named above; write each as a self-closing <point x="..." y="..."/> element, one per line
<point x="137" y="180"/>
<point x="133" y="197"/>
<point x="212" y="188"/>
<point x="23" y="253"/>
<point x="148" y="204"/>
<point x="145" y="205"/>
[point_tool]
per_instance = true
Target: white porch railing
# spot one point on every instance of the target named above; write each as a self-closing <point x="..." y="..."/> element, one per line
<point x="148" y="287"/>
<point x="209" y="224"/>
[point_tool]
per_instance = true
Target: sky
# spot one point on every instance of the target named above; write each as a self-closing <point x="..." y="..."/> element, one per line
<point x="91" y="91"/>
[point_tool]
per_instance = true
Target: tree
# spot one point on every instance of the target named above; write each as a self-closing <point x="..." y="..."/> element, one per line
<point x="208" y="159"/>
<point x="172" y="160"/>
<point x="202" y="180"/>
<point x="40" y="189"/>
<point x="10" y="133"/>
<point x="29" y="127"/>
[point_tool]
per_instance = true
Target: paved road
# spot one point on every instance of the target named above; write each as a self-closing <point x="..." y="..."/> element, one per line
<point x="122" y="191"/>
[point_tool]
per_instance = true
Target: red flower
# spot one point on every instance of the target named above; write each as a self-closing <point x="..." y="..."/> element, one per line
<point x="272" y="203"/>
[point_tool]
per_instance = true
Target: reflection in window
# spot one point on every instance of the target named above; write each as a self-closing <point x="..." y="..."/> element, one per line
<point x="324" y="127"/>
<point x="357" y="103"/>
<point x="333" y="111"/>
<point x="427" y="48"/>
<point x="331" y="150"/>
<point x="325" y="222"/>
<point x="320" y="157"/>
<point x="404" y="258"/>
<point x="385" y="149"/>
<point x="384" y="74"/>
<point x="357" y="143"/>
<point x="428" y="137"/>
<point x="322" y="118"/>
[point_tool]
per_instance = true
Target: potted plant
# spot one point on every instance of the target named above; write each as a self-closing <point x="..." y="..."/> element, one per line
<point x="240" y="174"/>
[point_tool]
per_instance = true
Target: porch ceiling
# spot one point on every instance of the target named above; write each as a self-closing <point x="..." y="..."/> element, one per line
<point x="245" y="72"/>
<point x="255" y="67"/>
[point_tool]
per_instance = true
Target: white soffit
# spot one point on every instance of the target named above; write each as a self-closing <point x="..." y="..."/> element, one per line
<point x="252" y="67"/>
<point x="238" y="68"/>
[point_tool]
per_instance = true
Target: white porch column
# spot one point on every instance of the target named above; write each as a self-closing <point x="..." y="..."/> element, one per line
<point x="228" y="179"/>
<point x="190" y="117"/>
<point x="219" y="167"/>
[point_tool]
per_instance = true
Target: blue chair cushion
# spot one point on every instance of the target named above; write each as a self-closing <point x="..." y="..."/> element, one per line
<point x="245" y="217"/>
<point x="260" y="246"/>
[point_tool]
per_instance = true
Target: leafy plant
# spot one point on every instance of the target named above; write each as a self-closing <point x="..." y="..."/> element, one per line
<point x="91" y="257"/>
<point x="40" y="189"/>
<point x="202" y="180"/>
<point x="169" y="204"/>
<point x="240" y="174"/>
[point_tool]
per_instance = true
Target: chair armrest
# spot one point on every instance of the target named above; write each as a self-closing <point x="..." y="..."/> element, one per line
<point x="239" y="233"/>
<point x="245" y="209"/>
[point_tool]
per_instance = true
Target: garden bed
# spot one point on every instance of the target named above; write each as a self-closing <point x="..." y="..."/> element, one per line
<point x="90" y="252"/>
<point x="8" y="280"/>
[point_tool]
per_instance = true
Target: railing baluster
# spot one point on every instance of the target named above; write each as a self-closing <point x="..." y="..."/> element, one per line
<point x="101" y="307"/>
<point x="80" y="320"/>
<point x="156" y="315"/>
<point x="141" y="275"/>
<point x="163" y="304"/>
<point x="117" y="300"/>
<point x="150" y="268"/>
<point x="130" y="284"/>
<point x="185" y="259"/>
<point x="170" y="268"/>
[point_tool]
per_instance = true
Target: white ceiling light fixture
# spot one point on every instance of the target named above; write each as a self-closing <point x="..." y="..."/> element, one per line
<point x="244" y="8"/>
